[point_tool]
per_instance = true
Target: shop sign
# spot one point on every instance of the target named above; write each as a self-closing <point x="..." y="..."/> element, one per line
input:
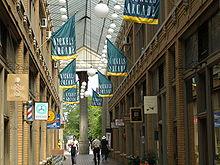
<point x="136" y="115"/>
<point x="150" y="105"/>
<point x="41" y="111"/>
<point x="17" y="87"/>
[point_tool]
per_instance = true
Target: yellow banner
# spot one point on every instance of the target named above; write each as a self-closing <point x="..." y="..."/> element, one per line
<point x="141" y="20"/>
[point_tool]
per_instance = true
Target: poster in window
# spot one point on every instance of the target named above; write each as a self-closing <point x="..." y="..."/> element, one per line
<point x="136" y="114"/>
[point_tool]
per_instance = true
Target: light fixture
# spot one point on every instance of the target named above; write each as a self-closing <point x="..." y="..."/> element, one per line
<point x="82" y="90"/>
<point x="83" y="87"/>
<point x="103" y="55"/>
<point x="114" y="16"/>
<point x="117" y="7"/>
<point x="110" y="30"/>
<point x="101" y="10"/>
<point x="105" y="46"/>
<point x="112" y="25"/>
<point x="64" y="17"/>
<point x="103" y="59"/>
<point x="104" y="51"/>
<point x="63" y="10"/>
<point x="82" y="94"/>
<point x="109" y="36"/>
<point x="62" y="2"/>
<point x="81" y="97"/>
<point x="91" y="72"/>
<point x="86" y="93"/>
<point x="84" y="83"/>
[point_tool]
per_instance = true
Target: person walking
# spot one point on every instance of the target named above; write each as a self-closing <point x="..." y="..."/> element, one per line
<point x="96" y="150"/>
<point x="104" y="148"/>
<point x="73" y="153"/>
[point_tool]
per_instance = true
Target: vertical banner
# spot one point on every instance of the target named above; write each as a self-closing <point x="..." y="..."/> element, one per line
<point x="96" y="99"/>
<point x="68" y="76"/>
<point x="105" y="86"/>
<point x="71" y="96"/>
<point x="117" y="62"/>
<point x="140" y="11"/>
<point x="41" y="111"/>
<point x="63" y="45"/>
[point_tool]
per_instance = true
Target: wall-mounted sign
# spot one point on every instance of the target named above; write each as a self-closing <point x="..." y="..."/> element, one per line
<point x="51" y="117"/>
<point x="136" y="114"/>
<point x="150" y="104"/>
<point x="217" y="119"/>
<point x="55" y="124"/>
<point x="119" y="122"/>
<point x="17" y="88"/>
<point x="41" y="111"/>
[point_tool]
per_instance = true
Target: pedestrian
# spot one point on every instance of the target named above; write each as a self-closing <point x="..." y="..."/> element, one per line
<point x="104" y="148"/>
<point x="96" y="150"/>
<point x="73" y="153"/>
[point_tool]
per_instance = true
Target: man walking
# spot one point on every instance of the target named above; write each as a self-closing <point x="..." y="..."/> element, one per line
<point x="96" y="150"/>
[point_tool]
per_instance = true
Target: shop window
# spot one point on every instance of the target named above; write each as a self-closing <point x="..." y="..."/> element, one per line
<point x="3" y="39"/>
<point x="161" y="76"/>
<point x="201" y="92"/>
<point x="192" y="121"/>
<point x="216" y="108"/>
<point x="191" y="50"/>
<point x="203" y="41"/>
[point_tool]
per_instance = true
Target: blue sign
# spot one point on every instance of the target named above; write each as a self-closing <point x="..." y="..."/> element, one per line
<point x="56" y="124"/>
<point x="41" y="111"/>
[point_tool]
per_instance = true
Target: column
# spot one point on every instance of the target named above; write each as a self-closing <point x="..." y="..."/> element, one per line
<point x="169" y="109"/>
<point x="137" y="139"/>
<point x="2" y="107"/>
<point x="180" y="105"/>
<point x="104" y="116"/>
<point x="44" y="131"/>
<point x="83" y="139"/>
<point x="19" y="108"/>
<point x="26" y="126"/>
<point x="36" y="124"/>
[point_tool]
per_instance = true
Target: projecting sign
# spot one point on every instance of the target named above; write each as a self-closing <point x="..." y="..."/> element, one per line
<point x="17" y="88"/>
<point x="136" y="115"/>
<point x="41" y="111"/>
<point x="150" y="104"/>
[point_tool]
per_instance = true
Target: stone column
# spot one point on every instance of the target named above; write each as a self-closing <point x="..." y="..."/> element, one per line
<point x="83" y="139"/>
<point x="181" y="146"/>
<point x="2" y="107"/>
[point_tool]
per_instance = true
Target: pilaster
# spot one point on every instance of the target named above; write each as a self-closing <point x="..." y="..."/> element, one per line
<point x="169" y="108"/>
<point x="180" y="104"/>
<point x="44" y="131"/>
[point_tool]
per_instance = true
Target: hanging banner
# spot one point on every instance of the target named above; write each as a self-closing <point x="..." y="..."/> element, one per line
<point x="55" y="124"/>
<point x="96" y="99"/>
<point x="105" y="86"/>
<point x="117" y="62"/>
<point x="17" y="87"/>
<point x="41" y="111"/>
<point x="71" y="96"/>
<point x="140" y="11"/>
<point x="150" y="104"/>
<point x="63" y="45"/>
<point x="68" y="76"/>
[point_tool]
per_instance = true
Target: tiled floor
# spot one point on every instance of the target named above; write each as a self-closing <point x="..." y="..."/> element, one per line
<point x="87" y="160"/>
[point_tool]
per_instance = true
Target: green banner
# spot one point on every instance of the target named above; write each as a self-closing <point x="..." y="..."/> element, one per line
<point x="140" y="11"/>
<point x="63" y="45"/>
<point x="117" y="62"/>
<point x="68" y="76"/>
<point x="71" y="96"/>
<point x="105" y="86"/>
<point x="96" y="99"/>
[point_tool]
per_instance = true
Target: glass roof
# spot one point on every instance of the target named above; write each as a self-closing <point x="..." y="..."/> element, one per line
<point x="91" y="31"/>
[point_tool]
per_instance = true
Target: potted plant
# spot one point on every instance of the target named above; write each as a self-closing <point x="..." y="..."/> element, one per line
<point x="152" y="157"/>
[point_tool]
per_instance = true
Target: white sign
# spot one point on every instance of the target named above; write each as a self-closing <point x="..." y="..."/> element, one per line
<point x="41" y="111"/>
<point x="150" y="104"/>
<point x="108" y="138"/>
